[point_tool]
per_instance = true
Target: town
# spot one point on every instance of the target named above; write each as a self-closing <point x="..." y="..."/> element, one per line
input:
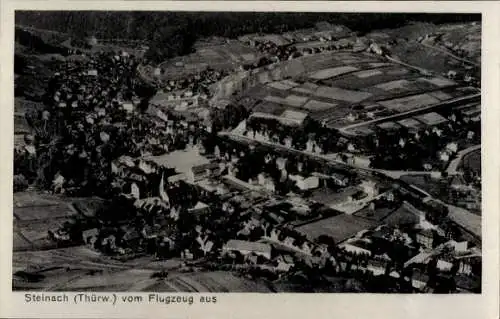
<point x="316" y="159"/>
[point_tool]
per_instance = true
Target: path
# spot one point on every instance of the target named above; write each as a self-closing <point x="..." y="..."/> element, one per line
<point x="453" y="167"/>
<point x="419" y="69"/>
<point x="456" y="57"/>
<point x="398" y="174"/>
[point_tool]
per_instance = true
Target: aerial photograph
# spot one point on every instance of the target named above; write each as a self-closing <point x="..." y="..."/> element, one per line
<point x="259" y="152"/>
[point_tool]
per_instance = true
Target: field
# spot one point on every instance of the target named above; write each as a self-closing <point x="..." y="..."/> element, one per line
<point x="217" y="281"/>
<point x="332" y="72"/>
<point x="410" y="103"/>
<point x="43" y="212"/>
<point x="35" y="214"/>
<point x="219" y="57"/>
<point x="314" y="105"/>
<point x="339" y="94"/>
<point x="386" y="74"/>
<point x="337" y="81"/>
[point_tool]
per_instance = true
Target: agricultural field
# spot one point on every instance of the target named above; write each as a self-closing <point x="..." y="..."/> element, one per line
<point x="353" y="92"/>
<point x="217" y="281"/>
<point x="461" y="39"/>
<point x="219" y="57"/>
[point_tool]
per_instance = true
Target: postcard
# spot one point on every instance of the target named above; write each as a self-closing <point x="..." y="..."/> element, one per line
<point x="243" y="159"/>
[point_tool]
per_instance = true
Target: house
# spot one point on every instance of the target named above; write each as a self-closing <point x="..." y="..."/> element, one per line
<point x="369" y="187"/>
<point x="376" y="266"/>
<point x="129" y="107"/>
<point x="419" y="280"/>
<point x="285" y="263"/>
<point x="288" y="141"/>
<point x="176" y="178"/>
<point x="251" y="258"/>
<point x="351" y="247"/>
<point x="425" y="238"/>
<point x="200" y="172"/>
<point x="340" y="179"/>
<point x="90" y="236"/>
<point x="131" y="238"/>
<point x="281" y="163"/>
<point x="458" y="182"/>
<point x="247" y="247"/>
<point x="465" y="263"/>
<point x="199" y="208"/>
<point x="186" y="254"/>
<point x="307" y="183"/>
<point x="443" y="264"/>
<point x="269" y="185"/>
<point x="310" y="145"/>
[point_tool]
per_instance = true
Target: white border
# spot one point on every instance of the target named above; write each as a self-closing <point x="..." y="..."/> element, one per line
<point x="280" y="305"/>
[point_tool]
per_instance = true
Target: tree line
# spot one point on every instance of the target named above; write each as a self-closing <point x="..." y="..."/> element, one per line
<point x="174" y="33"/>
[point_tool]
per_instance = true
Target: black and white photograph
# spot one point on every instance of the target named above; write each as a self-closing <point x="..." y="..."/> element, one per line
<point x="257" y="152"/>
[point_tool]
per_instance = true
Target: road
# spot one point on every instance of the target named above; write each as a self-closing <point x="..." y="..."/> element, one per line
<point x="421" y="70"/>
<point x="465" y="219"/>
<point x="453" y="167"/>
<point x="427" y="109"/>
<point x="456" y="57"/>
<point x="326" y="158"/>
<point x="462" y="217"/>
<point x="292" y="150"/>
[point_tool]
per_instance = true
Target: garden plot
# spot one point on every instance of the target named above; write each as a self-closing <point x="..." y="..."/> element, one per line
<point x="409" y="103"/>
<point x="279" y="86"/>
<point x="314" y="105"/>
<point x="439" y="82"/>
<point x="339" y="94"/>
<point x="332" y="72"/>
<point x="441" y="95"/>
<point x="291" y="100"/>
<point x="306" y="88"/>
<point x="367" y="73"/>
<point x="43" y="212"/>
<point x="393" y="85"/>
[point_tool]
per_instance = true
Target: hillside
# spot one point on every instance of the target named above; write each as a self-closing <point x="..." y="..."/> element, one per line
<point x="174" y="33"/>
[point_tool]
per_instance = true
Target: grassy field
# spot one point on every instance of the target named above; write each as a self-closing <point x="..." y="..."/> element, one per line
<point x="217" y="281"/>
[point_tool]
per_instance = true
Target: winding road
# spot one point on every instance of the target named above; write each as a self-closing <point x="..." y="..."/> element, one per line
<point x="453" y="167"/>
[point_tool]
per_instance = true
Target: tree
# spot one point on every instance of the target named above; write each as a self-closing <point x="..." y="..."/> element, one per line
<point x="432" y="272"/>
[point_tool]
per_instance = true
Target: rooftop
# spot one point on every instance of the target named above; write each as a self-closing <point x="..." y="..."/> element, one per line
<point x="340" y="227"/>
<point x="183" y="161"/>
<point x="235" y="244"/>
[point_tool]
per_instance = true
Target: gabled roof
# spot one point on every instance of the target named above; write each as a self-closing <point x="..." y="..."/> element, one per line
<point x="235" y="244"/>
